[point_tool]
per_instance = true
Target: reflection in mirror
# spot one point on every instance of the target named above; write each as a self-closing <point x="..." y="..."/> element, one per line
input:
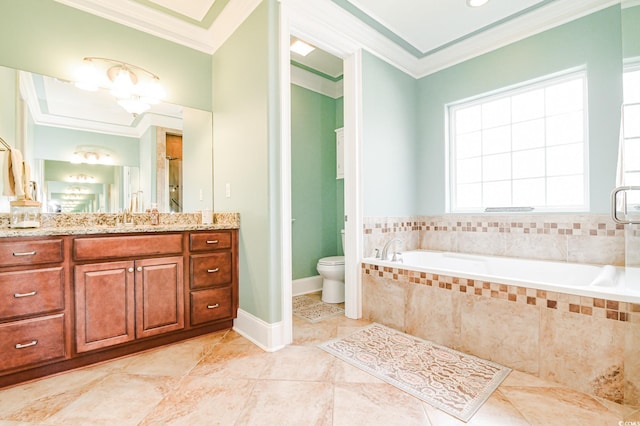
<point x="87" y="154"/>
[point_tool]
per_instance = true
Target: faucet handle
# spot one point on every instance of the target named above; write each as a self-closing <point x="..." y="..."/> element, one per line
<point x="376" y="253"/>
<point x="397" y="257"/>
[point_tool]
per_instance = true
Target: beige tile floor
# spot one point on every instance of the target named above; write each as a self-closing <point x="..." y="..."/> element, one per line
<point x="223" y="379"/>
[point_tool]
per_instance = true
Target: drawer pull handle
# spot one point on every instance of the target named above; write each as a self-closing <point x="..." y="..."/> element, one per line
<point x="212" y="241"/>
<point x="26" y="345"/>
<point x="211" y="271"/>
<point x="24" y="253"/>
<point x="217" y="305"/>
<point x="19" y="295"/>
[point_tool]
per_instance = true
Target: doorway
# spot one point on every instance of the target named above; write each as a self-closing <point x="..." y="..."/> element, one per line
<point x="305" y="26"/>
<point x="174" y="172"/>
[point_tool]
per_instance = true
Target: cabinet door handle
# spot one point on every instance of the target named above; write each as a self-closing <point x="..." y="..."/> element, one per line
<point x="213" y="270"/>
<point x="26" y="345"/>
<point x="212" y="241"/>
<point x="139" y="269"/>
<point x="24" y="253"/>
<point x="130" y="269"/>
<point x="217" y="305"/>
<point x="19" y="295"/>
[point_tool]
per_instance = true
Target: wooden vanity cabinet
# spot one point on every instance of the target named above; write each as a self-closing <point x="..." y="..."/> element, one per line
<point x="120" y="301"/>
<point x="34" y="319"/>
<point x="76" y="300"/>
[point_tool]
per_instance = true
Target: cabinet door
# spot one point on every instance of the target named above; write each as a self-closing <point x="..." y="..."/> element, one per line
<point x="104" y="304"/>
<point x="159" y="296"/>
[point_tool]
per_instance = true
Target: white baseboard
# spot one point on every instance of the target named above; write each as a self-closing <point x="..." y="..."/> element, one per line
<point x="269" y="337"/>
<point x="306" y="285"/>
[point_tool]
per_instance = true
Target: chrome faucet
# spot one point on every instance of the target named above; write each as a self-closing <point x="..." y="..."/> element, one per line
<point x="385" y="249"/>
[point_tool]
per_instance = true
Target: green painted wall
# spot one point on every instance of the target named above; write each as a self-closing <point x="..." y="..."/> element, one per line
<point x="339" y="182"/>
<point x="245" y="154"/>
<point x="594" y="40"/>
<point x="314" y="187"/>
<point x="390" y="121"/>
<point x="631" y="32"/>
<point x="8" y="89"/>
<point x="56" y="143"/>
<point x="49" y="38"/>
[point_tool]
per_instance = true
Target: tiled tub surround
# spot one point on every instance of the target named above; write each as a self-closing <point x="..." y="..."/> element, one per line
<point x="590" y="344"/>
<point x="584" y="238"/>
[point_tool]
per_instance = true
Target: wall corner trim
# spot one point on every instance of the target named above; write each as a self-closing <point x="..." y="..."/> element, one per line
<point x="269" y="337"/>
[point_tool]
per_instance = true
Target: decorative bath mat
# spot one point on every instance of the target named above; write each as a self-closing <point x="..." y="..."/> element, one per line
<point x="314" y="310"/>
<point x="451" y="381"/>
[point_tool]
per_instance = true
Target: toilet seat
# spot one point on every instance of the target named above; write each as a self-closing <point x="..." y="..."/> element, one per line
<point x="331" y="261"/>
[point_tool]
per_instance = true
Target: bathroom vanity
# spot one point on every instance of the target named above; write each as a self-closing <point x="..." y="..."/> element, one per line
<point x="74" y="296"/>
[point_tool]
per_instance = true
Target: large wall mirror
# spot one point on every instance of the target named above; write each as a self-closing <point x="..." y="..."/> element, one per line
<point x="87" y="154"/>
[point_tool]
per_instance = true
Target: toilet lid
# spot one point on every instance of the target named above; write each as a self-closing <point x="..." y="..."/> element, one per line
<point x="333" y="260"/>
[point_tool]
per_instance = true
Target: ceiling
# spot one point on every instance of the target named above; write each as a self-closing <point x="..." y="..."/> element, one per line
<point x="407" y="31"/>
<point x="414" y="35"/>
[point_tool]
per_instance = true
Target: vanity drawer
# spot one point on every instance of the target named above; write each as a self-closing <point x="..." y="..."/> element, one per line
<point x="126" y="246"/>
<point x="34" y="252"/>
<point x="210" y="269"/>
<point x="31" y="341"/>
<point x="211" y="305"/>
<point x="207" y="241"/>
<point x="31" y="292"/>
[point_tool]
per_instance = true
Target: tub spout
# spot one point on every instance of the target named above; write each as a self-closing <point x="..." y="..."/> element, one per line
<point x="385" y="249"/>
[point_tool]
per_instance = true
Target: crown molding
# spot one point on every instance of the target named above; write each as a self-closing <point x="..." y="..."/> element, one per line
<point x="549" y="16"/>
<point x="151" y="21"/>
<point x="30" y="96"/>
<point x="333" y="26"/>
<point x="316" y="83"/>
<point x="229" y="20"/>
<point x="328" y="26"/>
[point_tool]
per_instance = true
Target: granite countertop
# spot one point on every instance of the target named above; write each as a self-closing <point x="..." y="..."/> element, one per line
<point x="106" y="223"/>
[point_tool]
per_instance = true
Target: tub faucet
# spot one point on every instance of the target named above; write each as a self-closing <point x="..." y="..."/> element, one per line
<point x="385" y="249"/>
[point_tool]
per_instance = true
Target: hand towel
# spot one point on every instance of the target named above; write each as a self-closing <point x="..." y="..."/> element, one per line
<point x="16" y="171"/>
<point x="6" y="184"/>
<point x="13" y="174"/>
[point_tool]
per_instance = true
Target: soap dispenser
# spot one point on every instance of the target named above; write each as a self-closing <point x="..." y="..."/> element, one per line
<point x="155" y="215"/>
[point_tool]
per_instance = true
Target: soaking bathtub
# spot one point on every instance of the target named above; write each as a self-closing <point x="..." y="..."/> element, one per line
<point x="608" y="281"/>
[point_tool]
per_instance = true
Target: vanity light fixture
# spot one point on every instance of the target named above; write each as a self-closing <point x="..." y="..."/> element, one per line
<point x="301" y="48"/>
<point x="135" y="88"/>
<point x="476" y="3"/>
<point x="91" y="155"/>
<point x="81" y="178"/>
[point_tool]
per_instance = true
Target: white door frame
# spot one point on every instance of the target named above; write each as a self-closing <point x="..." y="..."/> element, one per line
<point x="302" y="20"/>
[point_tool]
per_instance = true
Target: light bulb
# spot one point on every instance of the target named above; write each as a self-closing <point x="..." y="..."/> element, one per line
<point x="87" y="76"/>
<point x="122" y="84"/>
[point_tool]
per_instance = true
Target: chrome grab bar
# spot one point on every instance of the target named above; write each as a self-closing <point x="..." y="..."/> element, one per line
<point x="614" y="202"/>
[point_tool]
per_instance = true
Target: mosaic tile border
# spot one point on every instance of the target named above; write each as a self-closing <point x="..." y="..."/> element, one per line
<point x="563" y="302"/>
<point x="579" y="225"/>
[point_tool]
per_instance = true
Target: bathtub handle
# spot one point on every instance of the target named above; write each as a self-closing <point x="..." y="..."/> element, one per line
<point x="614" y="202"/>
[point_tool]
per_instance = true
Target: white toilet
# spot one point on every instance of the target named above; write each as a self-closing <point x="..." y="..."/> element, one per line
<point x="332" y="271"/>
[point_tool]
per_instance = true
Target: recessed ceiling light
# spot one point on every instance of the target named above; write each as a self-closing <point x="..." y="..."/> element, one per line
<point x="477" y="3"/>
<point x="301" y="48"/>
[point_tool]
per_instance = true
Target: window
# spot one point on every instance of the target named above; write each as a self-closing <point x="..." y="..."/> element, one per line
<point x="524" y="147"/>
